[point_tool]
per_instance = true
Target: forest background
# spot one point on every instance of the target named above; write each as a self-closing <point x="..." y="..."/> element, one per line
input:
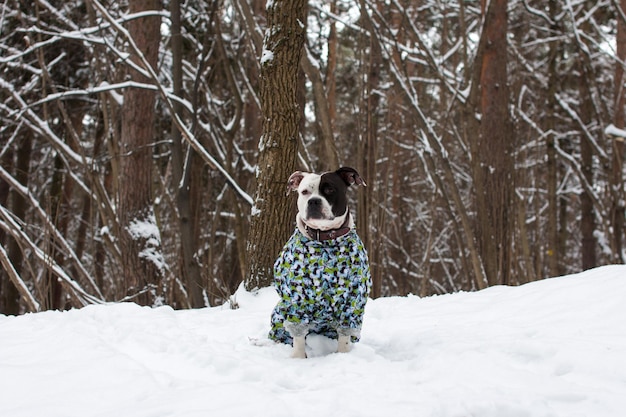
<point x="136" y="138"/>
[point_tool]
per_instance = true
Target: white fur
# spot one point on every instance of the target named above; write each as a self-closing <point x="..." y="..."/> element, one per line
<point x="343" y="343"/>
<point x="299" y="331"/>
<point x="299" y="342"/>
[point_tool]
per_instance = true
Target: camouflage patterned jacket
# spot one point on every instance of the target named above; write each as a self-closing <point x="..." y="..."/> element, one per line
<point x="324" y="284"/>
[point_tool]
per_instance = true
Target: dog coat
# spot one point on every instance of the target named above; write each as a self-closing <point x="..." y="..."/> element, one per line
<point x="323" y="284"/>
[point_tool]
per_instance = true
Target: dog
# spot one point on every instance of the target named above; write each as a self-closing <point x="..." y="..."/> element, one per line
<point x="322" y="275"/>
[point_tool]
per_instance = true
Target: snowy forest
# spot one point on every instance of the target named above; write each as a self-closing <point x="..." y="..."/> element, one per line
<point x="135" y="140"/>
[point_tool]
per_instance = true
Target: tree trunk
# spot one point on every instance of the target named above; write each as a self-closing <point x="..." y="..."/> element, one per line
<point x="587" y="111"/>
<point x="617" y="165"/>
<point x="53" y="296"/>
<point x="273" y="214"/>
<point x="10" y="302"/>
<point x="141" y="248"/>
<point x="6" y="161"/>
<point x="331" y="69"/>
<point x="553" y="250"/>
<point x="253" y="124"/>
<point x="327" y="151"/>
<point x="587" y="215"/>
<point x="492" y="156"/>
<point x="367" y="201"/>
<point x="181" y="165"/>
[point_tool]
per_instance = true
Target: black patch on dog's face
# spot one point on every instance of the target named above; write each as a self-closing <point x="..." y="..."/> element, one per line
<point x="333" y="188"/>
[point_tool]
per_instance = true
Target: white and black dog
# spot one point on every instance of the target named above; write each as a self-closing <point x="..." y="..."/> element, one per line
<point x="322" y="274"/>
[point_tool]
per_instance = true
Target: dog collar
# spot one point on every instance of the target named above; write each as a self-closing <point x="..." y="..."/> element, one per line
<point x="321" y="235"/>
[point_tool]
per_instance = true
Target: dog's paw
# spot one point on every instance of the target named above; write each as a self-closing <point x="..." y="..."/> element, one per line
<point x="298" y="354"/>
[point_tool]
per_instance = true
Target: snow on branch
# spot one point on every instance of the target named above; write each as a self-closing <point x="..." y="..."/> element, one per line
<point x="111" y="88"/>
<point x="577" y="168"/>
<point x="615" y="132"/>
<point x="49" y="224"/>
<point x="10" y="225"/>
<point x="22" y="288"/>
<point x="185" y="132"/>
<point x="587" y="134"/>
<point x="41" y="126"/>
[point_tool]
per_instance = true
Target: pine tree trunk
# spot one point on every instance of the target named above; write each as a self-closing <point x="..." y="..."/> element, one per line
<point x="273" y="214"/>
<point x="190" y="270"/>
<point x="142" y="266"/>
<point x="587" y="214"/>
<point x="493" y="150"/>
<point x="367" y="220"/>
<point x="617" y="165"/>
<point x="553" y="249"/>
<point x="10" y="302"/>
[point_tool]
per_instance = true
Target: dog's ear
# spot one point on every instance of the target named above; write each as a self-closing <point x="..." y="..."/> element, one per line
<point x="294" y="181"/>
<point x="350" y="176"/>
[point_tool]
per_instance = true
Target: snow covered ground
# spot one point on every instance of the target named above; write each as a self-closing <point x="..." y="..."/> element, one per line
<point x="551" y="348"/>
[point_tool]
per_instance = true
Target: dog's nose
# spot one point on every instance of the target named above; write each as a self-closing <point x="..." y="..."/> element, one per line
<point x="314" y="209"/>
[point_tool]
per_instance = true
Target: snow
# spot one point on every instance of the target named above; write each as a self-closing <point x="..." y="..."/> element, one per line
<point x="147" y="231"/>
<point x="267" y="56"/>
<point x="555" y="347"/>
<point x="616" y="132"/>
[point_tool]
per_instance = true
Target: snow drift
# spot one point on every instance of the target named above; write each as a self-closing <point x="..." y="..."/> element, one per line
<point x="555" y="347"/>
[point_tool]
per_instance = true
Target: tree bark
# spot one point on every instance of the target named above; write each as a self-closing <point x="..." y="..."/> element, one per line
<point x="10" y="302"/>
<point x="331" y="68"/>
<point x="553" y="249"/>
<point x="492" y="151"/>
<point x="328" y="159"/>
<point x="141" y="253"/>
<point x="181" y="165"/>
<point x="587" y="217"/>
<point x="53" y="291"/>
<point x="617" y="164"/>
<point x="272" y="214"/>
<point x="587" y="214"/>
<point x="367" y="152"/>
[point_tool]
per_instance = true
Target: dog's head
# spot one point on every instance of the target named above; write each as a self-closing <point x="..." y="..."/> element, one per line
<point x="322" y="200"/>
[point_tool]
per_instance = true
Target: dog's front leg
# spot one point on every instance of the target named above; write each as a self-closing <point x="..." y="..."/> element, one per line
<point x="299" y="342"/>
<point x="298" y="332"/>
<point x="344" y="335"/>
<point x="344" y="344"/>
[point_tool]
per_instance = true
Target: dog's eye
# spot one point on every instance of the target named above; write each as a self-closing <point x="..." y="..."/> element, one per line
<point x="328" y="190"/>
<point x="305" y="192"/>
